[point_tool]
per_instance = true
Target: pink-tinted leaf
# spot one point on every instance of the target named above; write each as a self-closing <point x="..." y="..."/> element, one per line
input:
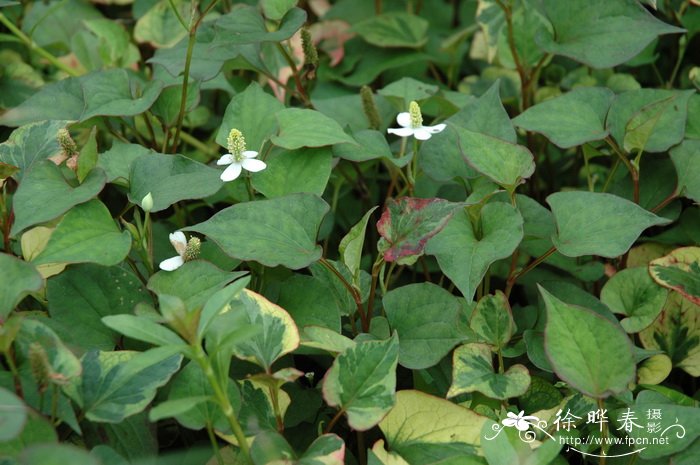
<point x="407" y="224"/>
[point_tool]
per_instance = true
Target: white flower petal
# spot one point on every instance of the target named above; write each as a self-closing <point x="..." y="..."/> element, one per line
<point x="177" y="237"/>
<point x="422" y="134"/>
<point x="404" y="119"/>
<point x="253" y="165"/>
<point x="232" y="172"/>
<point x="401" y="132"/>
<point x="179" y="242"/>
<point x="510" y="422"/>
<point x="435" y="129"/>
<point x="250" y="154"/>
<point x="225" y="159"/>
<point x="172" y="263"/>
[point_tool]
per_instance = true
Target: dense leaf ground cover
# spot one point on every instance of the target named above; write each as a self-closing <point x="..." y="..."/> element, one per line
<point x="365" y="232"/>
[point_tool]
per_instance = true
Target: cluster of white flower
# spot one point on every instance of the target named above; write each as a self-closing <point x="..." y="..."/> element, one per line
<point x="239" y="159"/>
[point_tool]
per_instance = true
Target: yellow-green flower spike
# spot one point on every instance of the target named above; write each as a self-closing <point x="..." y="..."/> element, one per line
<point x="192" y="249"/>
<point x="416" y="116"/>
<point x="39" y="365"/>
<point x="236" y="142"/>
<point x="370" y="107"/>
<point x="66" y="142"/>
<point x="307" y="45"/>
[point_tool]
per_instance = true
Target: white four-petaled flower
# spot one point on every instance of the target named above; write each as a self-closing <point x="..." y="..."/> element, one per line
<point x="520" y="421"/>
<point x="239" y="158"/>
<point x="186" y="251"/>
<point x="411" y="123"/>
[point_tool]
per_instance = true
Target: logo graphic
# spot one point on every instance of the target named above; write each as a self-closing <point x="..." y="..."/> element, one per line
<point x="528" y="427"/>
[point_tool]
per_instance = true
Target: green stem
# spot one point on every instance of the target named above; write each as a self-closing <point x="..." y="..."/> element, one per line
<point x="528" y="268"/>
<point x="223" y="401"/>
<point x="185" y="83"/>
<point x="295" y="74"/>
<point x="630" y="167"/>
<point x="387" y="281"/>
<point x="353" y="292"/>
<point x="33" y="46"/>
<point x="611" y="175"/>
<point x="54" y="403"/>
<point x="508" y="13"/>
<point x="671" y="197"/>
<point x="274" y="396"/>
<point x="333" y="421"/>
<point x="149" y="127"/>
<point x="361" y="448"/>
<point x="148" y="226"/>
<point x="214" y="444"/>
<point x="178" y="15"/>
<point x="9" y="358"/>
<point x="604" y="433"/>
<point x="249" y="188"/>
<point x="194" y="25"/>
<point x="588" y="173"/>
<point x="166" y="139"/>
<point x="378" y="263"/>
<point x="412" y="168"/>
<point x="682" y="46"/>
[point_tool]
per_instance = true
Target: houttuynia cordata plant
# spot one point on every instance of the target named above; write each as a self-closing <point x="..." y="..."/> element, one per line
<point x="389" y="232"/>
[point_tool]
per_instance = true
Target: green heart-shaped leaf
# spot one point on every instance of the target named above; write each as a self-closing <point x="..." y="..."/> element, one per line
<point x="171" y="178"/>
<point x="464" y="256"/>
<point x="591" y="223"/>
<point x="505" y="163"/>
<point x="584" y="30"/>
<point x="25" y="279"/>
<point x="103" y="93"/>
<point x="394" y="29"/>
<point x="665" y="111"/>
<point x="571" y="119"/>
<point x="632" y="292"/>
<point x="308" y="128"/>
<point x="247" y="230"/>
<point x="687" y="163"/>
<point x="589" y="352"/>
<point x="44" y="194"/>
<point x="426" y="318"/>
<point x="87" y="233"/>
<point x="31" y="143"/>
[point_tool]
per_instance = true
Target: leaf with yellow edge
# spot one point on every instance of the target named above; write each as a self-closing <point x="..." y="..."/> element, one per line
<point x="33" y="242"/>
<point x="654" y="370"/>
<point x="362" y="382"/>
<point x="680" y="271"/>
<point x="379" y="455"/>
<point x="472" y="371"/>
<point x="676" y="331"/>
<point x="278" y="336"/>
<point x="425" y="429"/>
